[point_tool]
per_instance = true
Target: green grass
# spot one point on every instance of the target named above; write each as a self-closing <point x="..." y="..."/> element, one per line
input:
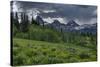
<point x="31" y="52"/>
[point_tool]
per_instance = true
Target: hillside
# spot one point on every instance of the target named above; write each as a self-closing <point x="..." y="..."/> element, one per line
<point x="26" y="52"/>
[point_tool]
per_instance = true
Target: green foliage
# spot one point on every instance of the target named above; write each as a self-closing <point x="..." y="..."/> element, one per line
<point x="84" y="55"/>
<point x="15" y="30"/>
<point x="22" y="35"/>
<point x="15" y="21"/>
<point x="41" y="34"/>
<point x="26" y="52"/>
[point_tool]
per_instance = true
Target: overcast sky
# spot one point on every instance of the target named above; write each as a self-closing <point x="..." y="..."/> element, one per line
<point x="82" y="14"/>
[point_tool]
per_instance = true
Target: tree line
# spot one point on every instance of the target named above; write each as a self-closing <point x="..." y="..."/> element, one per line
<point x="36" y="31"/>
<point x="23" y="26"/>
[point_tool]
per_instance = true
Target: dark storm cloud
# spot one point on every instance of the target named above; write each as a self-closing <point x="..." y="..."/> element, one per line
<point x="69" y="11"/>
<point x="30" y="5"/>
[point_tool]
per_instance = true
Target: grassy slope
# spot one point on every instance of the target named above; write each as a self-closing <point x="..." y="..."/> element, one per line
<point x="27" y="52"/>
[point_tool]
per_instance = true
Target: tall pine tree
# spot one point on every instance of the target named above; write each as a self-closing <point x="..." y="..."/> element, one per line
<point x="16" y="22"/>
<point x="24" y="26"/>
<point x="33" y="21"/>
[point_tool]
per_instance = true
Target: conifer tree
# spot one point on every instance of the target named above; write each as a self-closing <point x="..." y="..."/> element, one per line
<point x="24" y="26"/>
<point x="33" y="21"/>
<point x="16" y="22"/>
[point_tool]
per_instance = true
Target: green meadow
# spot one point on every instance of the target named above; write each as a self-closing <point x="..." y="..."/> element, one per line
<point x="32" y="52"/>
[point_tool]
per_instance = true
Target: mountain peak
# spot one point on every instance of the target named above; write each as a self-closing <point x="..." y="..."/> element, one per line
<point x="39" y="20"/>
<point x="72" y="23"/>
<point x="56" y="22"/>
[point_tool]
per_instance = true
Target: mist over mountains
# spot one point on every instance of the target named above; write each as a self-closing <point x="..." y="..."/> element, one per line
<point x="67" y="17"/>
<point x="71" y="26"/>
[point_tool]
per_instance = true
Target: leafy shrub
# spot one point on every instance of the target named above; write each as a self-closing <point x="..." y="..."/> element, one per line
<point x="20" y="59"/>
<point x="44" y="53"/>
<point x="53" y="49"/>
<point x="84" y="55"/>
<point x="73" y="59"/>
<point x="22" y="35"/>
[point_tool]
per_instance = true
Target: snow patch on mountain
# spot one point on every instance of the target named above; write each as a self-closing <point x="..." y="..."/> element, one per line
<point x="50" y="20"/>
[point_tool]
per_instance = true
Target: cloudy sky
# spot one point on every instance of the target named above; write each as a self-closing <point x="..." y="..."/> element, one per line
<point x="82" y="14"/>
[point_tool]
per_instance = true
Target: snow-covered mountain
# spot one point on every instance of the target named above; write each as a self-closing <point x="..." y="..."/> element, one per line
<point x="72" y="23"/>
<point x="85" y="26"/>
<point x="71" y="26"/>
<point x="39" y="20"/>
<point x="91" y="28"/>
